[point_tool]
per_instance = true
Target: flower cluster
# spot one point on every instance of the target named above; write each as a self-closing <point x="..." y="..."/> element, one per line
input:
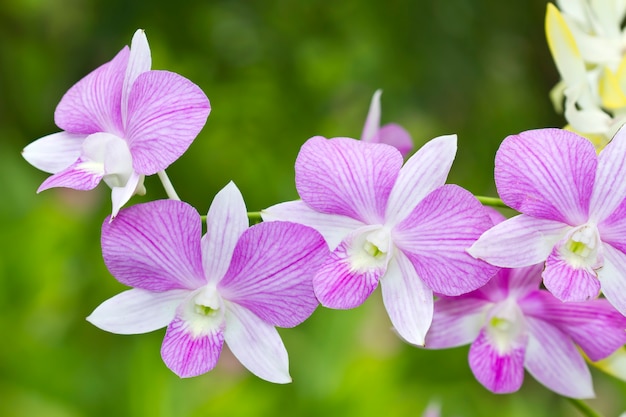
<point x="587" y="42"/>
<point x="451" y="271"/>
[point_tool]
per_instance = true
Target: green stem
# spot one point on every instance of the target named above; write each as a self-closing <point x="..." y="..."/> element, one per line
<point x="491" y="201"/>
<point x="583" y="407"/>
<point x="253" y="216"/>
<point x="167" y="184"/>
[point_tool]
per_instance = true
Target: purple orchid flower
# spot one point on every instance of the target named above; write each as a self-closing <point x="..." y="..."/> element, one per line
<point x="120" y="123"/>
<point x="573" y="205"/>
<point x="391" y="133"/>
<point x="233" y="285"/>
<point x="512" y="324"/>
<point x="399" y="225"/>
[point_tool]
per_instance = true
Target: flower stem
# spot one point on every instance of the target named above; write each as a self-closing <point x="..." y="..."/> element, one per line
<point x="491" y="201"/>
<point x="253" y="216"/>
<point x="167" y="185"/>
<point x="583" y="407"/>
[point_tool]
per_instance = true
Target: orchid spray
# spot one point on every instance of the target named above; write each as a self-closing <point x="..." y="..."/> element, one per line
<point x="542" y="291"/>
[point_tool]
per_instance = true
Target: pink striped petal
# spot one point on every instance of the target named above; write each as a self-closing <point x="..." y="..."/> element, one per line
<point x="511" y="283"/>
<point x="165" y="114"/>
<point x="553" y="360"/>
<point x="501" y="372"/>
<point x="548" y="174"/>
<point x="495" y="216"/>
<point x="609" y="190"/>
<point x="456" y="321"/>
<point x="519" y="241"/>
<point x="338" y="286"/>
<point x="372" y="121"/>
<point x="396" y="136"/>
<point x="188" y="354"/>
<point x="525" y="280"/>
<point x="613" y="229"/>
<point x="408" y="301"/>
<point x="82" y="175"/>
<point x="567" y="282"/>
<point x="226" y="221"/>
<point x="155" y="246"/>
<point x="139" y="61"/>
<point x="137" y="311"/>
<point x="334" y="227"/>
<point x="256" y="344"/>
<point x="271" y="272"/>
<point x="594" y="325"/>
<point x="93" y="104"/>
<point x="435" y="237"/>
<point x="613" y="277"/>
<point x="423" y="172"/>
<point x="347" y="177"/>
<point x="55" y="152"/>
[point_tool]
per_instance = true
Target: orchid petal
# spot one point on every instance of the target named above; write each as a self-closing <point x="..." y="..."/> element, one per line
<point x="567" y="282"/>
<point x="55" y="152"/>
<point x="456" y="321"/>
<point x="563" y="47"/>
<point x="594" y="325"/>
<point x="613" y="229"/>
<point x="396" y="136"/>
<point x="165" y="114"/>
<point x="372" y="122"/>
<point x="610" y="90"/>
<point x="93" y="104"/>
<point x="333" y="227"/>
<point x="590" y="120"/>
<point x="614" y="364"/>
<point x="121" y="195"/>
<point x="524" y="280"/>
<point x="82" y="175"/>
<point x="613" y="277"/>
<point x="435" y="237"/>
<point x="343" y="282"/>
<point x="408" y="301"/>
<point x="347" y="177"/>
<point x="139" y="61"/>
<point x="499" y="371"/>
<point x="137" y="311"/>
<point x="610" y="188"/>
<point x="563" y="370"/>
<point x="548" y="174"/>
<point x="256" y="344"/>
<point x="519" y="241"/>
<point x="188" y="354"/>
<point x="426" y="170"/>
<point x="226" y="221"/>
<point x="271" y="272"/>
<point x="155" y="246"/>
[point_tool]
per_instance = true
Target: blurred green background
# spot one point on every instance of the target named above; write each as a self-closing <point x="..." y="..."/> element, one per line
<point x="277" y="72"/>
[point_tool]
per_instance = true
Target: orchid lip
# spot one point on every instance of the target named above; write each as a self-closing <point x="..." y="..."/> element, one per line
<point x="582" y="246"/>
<point x="505" y="324"/>
<point x="204" y="311"/>
<point x="371" y="248"/>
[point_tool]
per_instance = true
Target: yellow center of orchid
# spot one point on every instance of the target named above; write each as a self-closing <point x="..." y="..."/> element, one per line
<point x="581" y="247"/>
<point x="370" y="249"/>
<point x="204" y="312"/>
<point x="505" y="324"/>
